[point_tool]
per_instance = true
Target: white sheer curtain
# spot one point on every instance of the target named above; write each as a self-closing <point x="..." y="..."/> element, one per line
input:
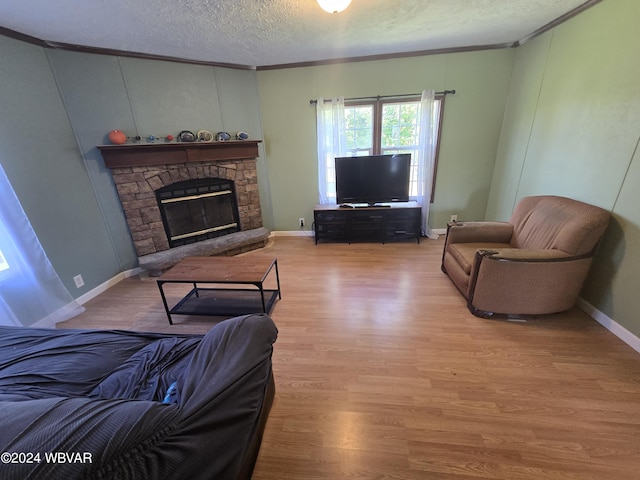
<point x="427" y="138"/>
<point x="331" y="144"/>
<point x="31" y="293"/>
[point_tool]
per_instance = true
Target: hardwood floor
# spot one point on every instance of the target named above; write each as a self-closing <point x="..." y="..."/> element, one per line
<point x="382" y="373"/>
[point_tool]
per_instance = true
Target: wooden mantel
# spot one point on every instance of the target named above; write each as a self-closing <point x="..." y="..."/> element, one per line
<point x="139" y="154"/>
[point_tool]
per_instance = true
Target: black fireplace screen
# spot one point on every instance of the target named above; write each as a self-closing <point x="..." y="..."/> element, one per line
<point x="195" y="210"/>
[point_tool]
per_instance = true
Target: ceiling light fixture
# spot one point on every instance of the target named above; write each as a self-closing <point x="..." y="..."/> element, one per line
<point x="333" y="6"/>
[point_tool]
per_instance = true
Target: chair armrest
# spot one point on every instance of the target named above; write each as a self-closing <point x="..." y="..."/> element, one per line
<point x="479" y="232"/>
<point x="522" y="281"/>
<point x="526" y="254"/>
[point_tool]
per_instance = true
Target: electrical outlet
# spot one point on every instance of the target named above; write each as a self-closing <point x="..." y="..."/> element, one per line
<point x="301" y="222"/>
<point x="454" y="218"/>
<point x="79" y="281"/>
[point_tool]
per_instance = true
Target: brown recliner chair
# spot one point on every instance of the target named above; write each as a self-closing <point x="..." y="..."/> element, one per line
<point x="534" y="264"/>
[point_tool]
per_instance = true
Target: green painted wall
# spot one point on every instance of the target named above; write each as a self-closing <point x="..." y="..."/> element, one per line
<point x="572" y="126"/>
<point x="58" y="105"/>
<point x="39" y="153"/>
<point x="472" y="122"/>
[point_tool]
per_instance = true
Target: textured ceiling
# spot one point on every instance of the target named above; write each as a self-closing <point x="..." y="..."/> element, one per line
<point x="276" y="32"/>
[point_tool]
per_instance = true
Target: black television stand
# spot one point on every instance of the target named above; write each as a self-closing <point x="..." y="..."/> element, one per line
<point x="383" y="223"/>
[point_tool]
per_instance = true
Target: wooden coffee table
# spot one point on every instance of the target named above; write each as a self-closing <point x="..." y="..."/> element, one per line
<point x="236" y="286"/>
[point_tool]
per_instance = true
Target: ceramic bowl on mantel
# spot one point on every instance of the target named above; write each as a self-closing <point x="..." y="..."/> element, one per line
<point x="186" y="136"/>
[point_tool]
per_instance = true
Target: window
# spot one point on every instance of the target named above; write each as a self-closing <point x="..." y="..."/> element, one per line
<point x="7" y="260"/>
<point x="4" y="265"/>
<point x="31" y="293"/>
<point x="387" y="126"/>
<point x="393" y="125"/>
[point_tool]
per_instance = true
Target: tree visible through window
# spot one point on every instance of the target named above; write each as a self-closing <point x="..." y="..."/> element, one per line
<point x="385" y="127"/>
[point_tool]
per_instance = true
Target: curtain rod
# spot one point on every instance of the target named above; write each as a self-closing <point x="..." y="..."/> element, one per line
<point x="378" y="97"/>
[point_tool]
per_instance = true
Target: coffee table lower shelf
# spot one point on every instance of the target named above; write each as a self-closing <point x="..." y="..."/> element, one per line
<point x="225" y="302"/>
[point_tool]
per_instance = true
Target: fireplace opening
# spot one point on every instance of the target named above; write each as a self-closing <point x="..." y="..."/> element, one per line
<point x="195" y="210"/>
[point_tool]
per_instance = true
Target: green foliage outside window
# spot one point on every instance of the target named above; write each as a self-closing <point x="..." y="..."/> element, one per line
<point x="359" y="129"/>
<point x="399" y="125"/>
<point x="398" y="129"/>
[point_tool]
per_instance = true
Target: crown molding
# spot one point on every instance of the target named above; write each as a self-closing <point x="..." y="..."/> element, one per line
<point x="419" y="53"/>
<point x="554" y="23"/>
<point x="387" y="56"/>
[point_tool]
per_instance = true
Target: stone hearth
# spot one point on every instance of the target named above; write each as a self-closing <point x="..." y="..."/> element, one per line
<point x="228" y="245"/>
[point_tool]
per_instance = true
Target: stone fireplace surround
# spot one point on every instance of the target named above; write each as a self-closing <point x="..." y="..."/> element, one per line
<point x="139" y="170"/>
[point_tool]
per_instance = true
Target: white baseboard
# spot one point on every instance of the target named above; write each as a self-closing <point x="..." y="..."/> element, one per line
<point x="68" y="311"/>
<point x="614" y="327"/>
<point x="293" y="233"/>
<point x="310" y="233"/>
<point x="94" y="292"/>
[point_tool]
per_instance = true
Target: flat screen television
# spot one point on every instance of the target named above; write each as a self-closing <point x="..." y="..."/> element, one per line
<point x="373" y="179"/>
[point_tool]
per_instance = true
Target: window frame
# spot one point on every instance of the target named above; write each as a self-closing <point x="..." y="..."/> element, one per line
<point x="378" y="105"/>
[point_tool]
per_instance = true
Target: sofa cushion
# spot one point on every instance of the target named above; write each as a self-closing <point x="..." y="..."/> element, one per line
<point x="464" y="253"/>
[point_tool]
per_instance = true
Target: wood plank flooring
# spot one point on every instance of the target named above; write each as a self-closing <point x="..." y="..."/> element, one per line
<point x="382" y="373"/>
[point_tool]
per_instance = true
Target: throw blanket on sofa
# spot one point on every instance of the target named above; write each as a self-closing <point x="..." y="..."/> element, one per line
<point x="90" y="404"/>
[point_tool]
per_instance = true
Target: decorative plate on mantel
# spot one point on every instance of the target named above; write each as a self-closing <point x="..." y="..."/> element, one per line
<point x="204" y="136"/>
<point x="186" y="136"/>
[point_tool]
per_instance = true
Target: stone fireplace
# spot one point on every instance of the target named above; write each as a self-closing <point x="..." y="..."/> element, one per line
<point x="146" y="175"/>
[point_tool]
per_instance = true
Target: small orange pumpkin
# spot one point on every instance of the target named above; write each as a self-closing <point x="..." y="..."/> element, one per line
<point x="117" y="137"/>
